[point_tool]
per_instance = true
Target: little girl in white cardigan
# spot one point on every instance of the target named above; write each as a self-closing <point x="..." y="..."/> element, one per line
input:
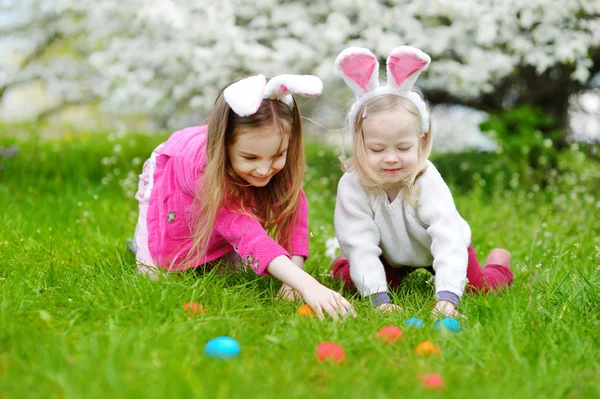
<point x="394" y="212"/>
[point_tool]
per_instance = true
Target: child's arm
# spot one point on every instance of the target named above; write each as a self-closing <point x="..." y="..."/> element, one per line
<point x="448" y="241"/>
<point x="359" y="238"/>
<point x="316" y="295"/>
<point x="299" y="245"/>
<point x="264" y="255"/>
<point x="287" y="292"/>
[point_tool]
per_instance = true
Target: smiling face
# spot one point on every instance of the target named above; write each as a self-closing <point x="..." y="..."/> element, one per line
<point x="391" y="144"/>
<point x="258" y="154"/>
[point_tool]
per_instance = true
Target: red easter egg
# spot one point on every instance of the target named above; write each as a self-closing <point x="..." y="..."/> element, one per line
<point x="194" y="308"/>
<point x="432" y="381"/>
<point x="389" y="334"/>
<point x="330" y="351"/>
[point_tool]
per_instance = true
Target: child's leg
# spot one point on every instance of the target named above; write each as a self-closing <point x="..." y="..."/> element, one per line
<point x="341" y="271"/>
<point x="495" y="274"/>
<point x="140" y="239"/>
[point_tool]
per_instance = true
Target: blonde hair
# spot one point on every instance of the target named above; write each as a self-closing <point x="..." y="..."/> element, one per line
<point x="369" y="178"/>
<point x="275" y="206"/>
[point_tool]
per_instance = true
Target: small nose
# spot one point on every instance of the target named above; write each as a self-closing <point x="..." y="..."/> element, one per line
<point x="263" y="170"/>
<point x="390" y="157"/>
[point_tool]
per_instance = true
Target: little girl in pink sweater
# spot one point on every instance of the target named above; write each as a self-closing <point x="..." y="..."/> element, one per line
<point x="232" y="189"/>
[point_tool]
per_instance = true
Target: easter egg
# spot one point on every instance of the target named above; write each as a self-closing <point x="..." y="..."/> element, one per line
<point x="331" y="352"/>
<point x="432" y="381"/>
<point x="449" y="324"/>
<point x="194" y="308"/>
<point x="414" y="322"/>
<point x="306" y="310"/>
<point x="222" y="348"/>
<point x="427" y="348"/>
<point x="389" y="334"/>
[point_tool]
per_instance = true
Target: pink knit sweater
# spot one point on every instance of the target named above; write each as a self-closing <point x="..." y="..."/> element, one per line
<point x="179" y="169"/>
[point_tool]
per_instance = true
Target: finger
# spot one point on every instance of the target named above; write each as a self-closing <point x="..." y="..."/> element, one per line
<point x="341" y="308"/>
<point x="460" y="315"/>
<point x="343" y="305"/>
<point x="331" y="311"/>
<point x="318" y="312"/>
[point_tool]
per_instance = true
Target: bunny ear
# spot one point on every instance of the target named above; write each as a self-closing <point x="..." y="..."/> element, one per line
<point x="359" y="68"/>
<point x="404" y="64"/>
<point x="281" y="87"/>
<point x="245" y="96"/>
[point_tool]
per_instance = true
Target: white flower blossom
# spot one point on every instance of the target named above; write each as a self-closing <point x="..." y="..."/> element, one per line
<point x="332" y="246"/>
<point x="170" y="57"/>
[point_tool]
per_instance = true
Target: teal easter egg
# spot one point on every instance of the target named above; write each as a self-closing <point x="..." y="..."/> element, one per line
<point x="414" y="322"/>
<point x="222" y="348"/>
<point x="449" y="324"/>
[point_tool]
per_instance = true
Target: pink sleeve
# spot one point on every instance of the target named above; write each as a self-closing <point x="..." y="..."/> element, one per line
<point x="249" y="239"/>
<point x="301" y="234"/>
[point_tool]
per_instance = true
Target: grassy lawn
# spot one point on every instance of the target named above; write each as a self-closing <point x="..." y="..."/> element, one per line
<point x="77" y="321"/>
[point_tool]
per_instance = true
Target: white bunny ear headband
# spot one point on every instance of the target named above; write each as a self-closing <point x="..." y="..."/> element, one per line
<point x="360" y="70"/>
<point x="245" y="96"/>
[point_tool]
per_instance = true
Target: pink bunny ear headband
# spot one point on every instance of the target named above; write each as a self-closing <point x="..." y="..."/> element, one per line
<point x="245" y="96"/>
<point x="360" y="70"/>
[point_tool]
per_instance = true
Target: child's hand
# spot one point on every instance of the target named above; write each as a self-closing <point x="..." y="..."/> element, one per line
<point x="321" y="298"/>
<point x="389" y="307"/>
<point x="287" y="292"/>
<point x="315" y="294"/>
<point x="446" y="309"/>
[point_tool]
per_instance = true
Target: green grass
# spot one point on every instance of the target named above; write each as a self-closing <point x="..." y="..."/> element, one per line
<point x="76" y="320"/>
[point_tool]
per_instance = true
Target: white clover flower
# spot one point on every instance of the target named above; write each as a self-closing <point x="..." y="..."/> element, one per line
<point x="332" y="246"/>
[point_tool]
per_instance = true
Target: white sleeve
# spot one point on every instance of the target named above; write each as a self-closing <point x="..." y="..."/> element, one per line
<point x="358" y="236"/>
<point x="444" y="225"/>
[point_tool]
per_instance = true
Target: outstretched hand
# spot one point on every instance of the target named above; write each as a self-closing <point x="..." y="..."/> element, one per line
<point x="320" y="298"/>
<point x="446" y="309"/>
<point x="323" y="299"/>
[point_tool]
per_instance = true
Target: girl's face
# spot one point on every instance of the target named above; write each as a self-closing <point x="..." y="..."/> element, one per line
<point x="392" y="143"/>
<point x="258" y="154"/>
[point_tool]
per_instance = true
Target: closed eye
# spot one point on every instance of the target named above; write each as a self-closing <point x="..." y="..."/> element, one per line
<point x="405" y="149"/>
<point x="249" y="158"/>
<point x="377" y="151"/>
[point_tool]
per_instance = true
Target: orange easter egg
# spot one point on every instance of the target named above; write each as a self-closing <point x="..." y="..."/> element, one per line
<point x="427" y="348"/>
<point x="306" y="310"/>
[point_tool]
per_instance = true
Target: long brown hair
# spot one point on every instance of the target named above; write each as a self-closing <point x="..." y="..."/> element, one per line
<point x="358" y="162"/>
<point x="275" y="206"/>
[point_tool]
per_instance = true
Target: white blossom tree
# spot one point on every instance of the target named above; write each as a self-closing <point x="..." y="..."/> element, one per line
<point x="165" y="57"/>
<point x="54" y="50"/>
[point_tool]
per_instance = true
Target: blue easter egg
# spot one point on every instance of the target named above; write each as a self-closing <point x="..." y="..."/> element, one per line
<point x="449" y="324"/>
<point x="414" y="322"/>
<point x="222" y="348"/>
